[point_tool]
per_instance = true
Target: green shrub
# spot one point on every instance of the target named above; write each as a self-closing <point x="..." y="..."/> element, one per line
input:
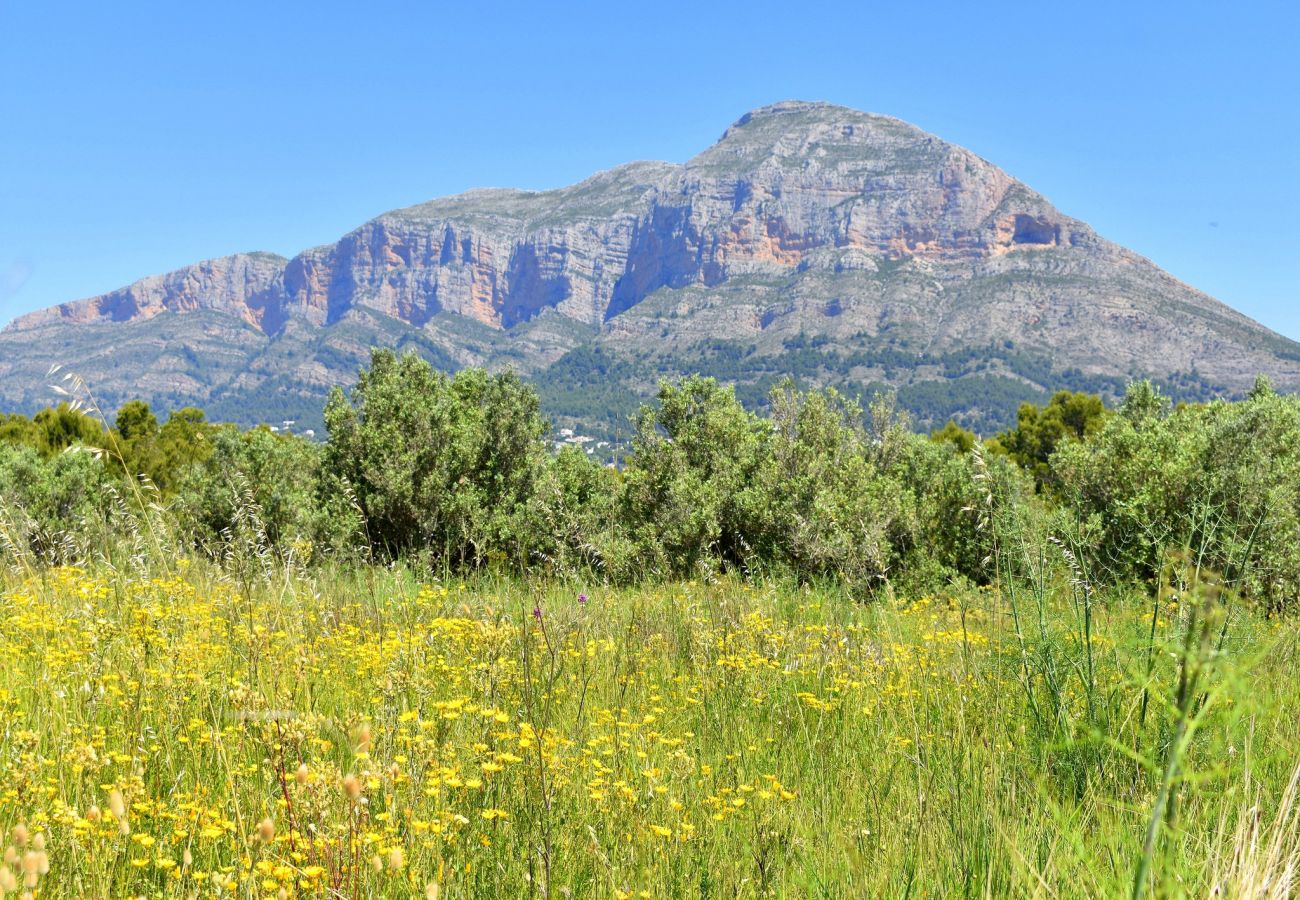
<point x="693" y="458"/>
<point x="441" y="465"/>
<point x="821" y="503"/>
<point x="572" y="520"/>
<point x="54" y="510"/>
<point x="260" y="486"/>
<point x="1221" y="480"/>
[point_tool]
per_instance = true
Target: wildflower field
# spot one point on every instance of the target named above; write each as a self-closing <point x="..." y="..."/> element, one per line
<point x="368" y="733"/>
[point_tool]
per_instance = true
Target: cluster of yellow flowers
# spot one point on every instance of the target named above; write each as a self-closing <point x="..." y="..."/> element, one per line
<point x="435" y="740"/>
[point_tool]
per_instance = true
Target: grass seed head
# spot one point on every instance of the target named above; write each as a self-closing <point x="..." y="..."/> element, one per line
<point x="117" y="805"/>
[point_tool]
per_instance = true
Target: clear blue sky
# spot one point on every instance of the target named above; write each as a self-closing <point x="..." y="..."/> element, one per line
<point x="137" y="137"/>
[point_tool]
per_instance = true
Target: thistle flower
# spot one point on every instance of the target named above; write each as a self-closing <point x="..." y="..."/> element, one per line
<point x="582" y="599"/>
<point x="537" y="613"/>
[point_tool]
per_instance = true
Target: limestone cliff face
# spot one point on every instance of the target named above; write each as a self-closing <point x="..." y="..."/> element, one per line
<point x="243" y="285"/>
<point x="802" y="218"/>
<point x="783" y="181"/>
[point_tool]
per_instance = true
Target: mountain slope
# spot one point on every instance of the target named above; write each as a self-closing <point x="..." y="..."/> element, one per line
<point x="840" y="246"/>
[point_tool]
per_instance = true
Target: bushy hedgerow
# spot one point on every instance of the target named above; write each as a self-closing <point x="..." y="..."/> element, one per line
<point x="455" y="471"/>
<point x="1219" y="481"/>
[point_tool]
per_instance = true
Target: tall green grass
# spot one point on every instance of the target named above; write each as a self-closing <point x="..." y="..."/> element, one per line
<point x="691" y="739"/>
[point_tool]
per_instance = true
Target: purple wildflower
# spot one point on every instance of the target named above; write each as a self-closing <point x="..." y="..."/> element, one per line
<point x="582" y="599"/>
<point x="537" y="613"/>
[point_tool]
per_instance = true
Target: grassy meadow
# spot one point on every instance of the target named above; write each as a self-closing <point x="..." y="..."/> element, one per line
<point x="276" y="732"/>
<point x="803" y="653"/>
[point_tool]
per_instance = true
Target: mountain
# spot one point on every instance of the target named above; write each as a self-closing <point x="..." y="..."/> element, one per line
<point x="839" y="246"/>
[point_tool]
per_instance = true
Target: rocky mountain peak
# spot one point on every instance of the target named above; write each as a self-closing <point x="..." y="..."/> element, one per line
<point x="790" y="128"/>
<point x="803" y="218"/>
